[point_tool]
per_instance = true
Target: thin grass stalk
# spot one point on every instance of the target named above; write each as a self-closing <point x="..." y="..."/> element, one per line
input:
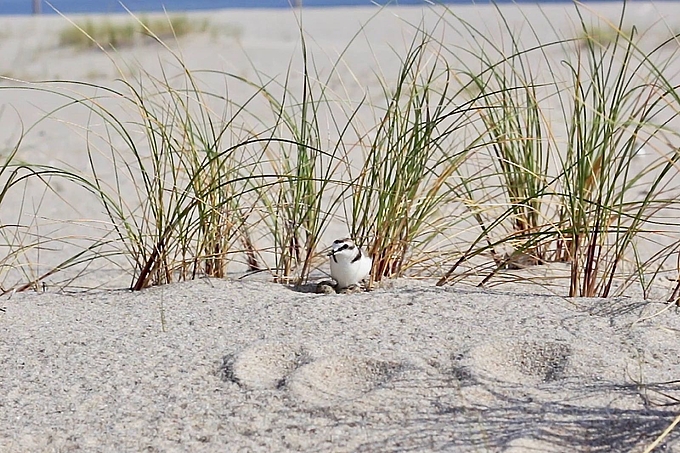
<point x="607" y="106"/>
<point x="400" y="188"/>
<point x="309" y="193"/>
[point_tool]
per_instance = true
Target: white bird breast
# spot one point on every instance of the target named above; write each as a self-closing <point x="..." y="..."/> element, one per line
<point x="347" y="273"/>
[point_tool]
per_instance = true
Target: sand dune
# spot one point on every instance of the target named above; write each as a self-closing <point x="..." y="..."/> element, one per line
<point x="251" y="366"/>
<point x="239" y="365"/>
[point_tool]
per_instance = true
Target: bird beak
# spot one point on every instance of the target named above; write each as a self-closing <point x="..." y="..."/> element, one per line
<point x="331" y="253"/>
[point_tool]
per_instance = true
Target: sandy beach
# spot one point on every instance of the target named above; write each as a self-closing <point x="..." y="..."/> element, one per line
<point x="244" y="364"/>
<point x="250" y="366"/>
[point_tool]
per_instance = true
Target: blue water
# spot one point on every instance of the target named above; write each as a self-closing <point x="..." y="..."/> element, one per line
<point x="110" y="6"/>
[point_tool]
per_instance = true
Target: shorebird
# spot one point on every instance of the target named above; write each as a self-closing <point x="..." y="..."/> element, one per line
<point x="349" y="264"/>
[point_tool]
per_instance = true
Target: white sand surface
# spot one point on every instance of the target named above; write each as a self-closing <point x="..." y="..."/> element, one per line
<point x="217" y="365"/>
<point x="238" y="365"/>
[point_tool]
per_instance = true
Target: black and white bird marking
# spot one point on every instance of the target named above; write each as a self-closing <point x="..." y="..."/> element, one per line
<point x="349" y="264"/>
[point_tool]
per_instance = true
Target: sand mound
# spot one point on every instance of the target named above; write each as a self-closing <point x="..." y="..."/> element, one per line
<point x="220" y="365"/>
<point x="261" y="366"/>
<point x="204" y="366"/>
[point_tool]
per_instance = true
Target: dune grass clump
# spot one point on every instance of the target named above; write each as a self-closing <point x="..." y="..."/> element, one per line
<point x="484" y="158"/>
<point x="13" y="245"/>
<point x="573" y="198"/>
<point x="109" y="33"/>
<point x="513" y="145"/>
<point x="192" y="184"/>
<point x="297" y="209"/>
<point x="22" y="240"/>
<point x="398" y="193"/>
<point x="88" y="33"/>
<point x="603" y="36"/>
<point x="620" y="104"/>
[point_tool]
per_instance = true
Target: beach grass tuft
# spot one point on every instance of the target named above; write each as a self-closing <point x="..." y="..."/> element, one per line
<point x="111" y="33"/>
<point x="475" y="161"/>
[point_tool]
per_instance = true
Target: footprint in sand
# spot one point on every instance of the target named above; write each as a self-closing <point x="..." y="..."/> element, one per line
<point x="322" y="382"/>
<point x="334" y="380"/>
<point x="541" y="361"/>
<point x="262" y="365"/>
